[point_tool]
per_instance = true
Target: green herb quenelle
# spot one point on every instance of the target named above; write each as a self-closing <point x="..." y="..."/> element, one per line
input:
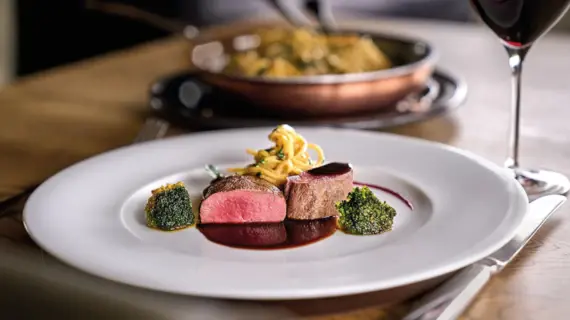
<point x="169" y="208"/>
<point x="362" y="213"/>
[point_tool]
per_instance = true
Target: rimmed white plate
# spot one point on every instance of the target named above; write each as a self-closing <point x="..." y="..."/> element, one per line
<point x="91" y="217"/>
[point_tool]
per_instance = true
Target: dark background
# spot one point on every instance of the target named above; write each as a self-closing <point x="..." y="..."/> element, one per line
<point x="51" y="33"/>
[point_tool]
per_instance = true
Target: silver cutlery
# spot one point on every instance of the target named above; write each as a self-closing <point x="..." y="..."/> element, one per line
<point x="301" y="15"/>
<point x="153" y="128"/>
<point x="291" y="12"/>
<point x="450" y="300"/>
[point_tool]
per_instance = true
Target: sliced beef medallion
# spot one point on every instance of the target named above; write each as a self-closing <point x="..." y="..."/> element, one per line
<point x="313" y="194"/>
<point x="242" y="199"/>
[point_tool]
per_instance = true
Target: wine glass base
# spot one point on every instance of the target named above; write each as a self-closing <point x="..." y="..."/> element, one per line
<point x="539" y="183"/>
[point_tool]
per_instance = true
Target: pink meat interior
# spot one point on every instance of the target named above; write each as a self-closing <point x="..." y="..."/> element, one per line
<point x="243" y="206"/>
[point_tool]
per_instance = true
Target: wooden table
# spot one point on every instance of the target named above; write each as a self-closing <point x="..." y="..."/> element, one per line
<point x="53" y="119"/>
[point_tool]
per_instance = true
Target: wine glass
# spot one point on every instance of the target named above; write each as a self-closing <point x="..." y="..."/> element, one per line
<point x="518" y="24"/>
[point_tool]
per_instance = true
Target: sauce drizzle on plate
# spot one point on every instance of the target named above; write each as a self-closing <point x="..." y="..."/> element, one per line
<point x="390" y="191"/>
<point x="335" y="168"/>
<point x="270" y="236"/>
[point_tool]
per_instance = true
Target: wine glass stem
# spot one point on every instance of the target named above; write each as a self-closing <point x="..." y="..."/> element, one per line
<point x="516" y="58"/>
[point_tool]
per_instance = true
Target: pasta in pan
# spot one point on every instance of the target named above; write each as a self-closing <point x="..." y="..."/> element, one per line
<point x="303" y="52"/>
<point x="289" y="156"/>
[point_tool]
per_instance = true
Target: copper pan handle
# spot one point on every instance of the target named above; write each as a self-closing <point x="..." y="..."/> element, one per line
<point x="321" y="10"/>
<point x="133" y="12"/>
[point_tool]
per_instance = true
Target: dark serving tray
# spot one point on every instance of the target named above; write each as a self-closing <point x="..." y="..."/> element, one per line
<point x="184" y="100"/>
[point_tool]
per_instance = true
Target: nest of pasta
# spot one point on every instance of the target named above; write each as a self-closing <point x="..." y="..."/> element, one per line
<point x="288" y="156"/>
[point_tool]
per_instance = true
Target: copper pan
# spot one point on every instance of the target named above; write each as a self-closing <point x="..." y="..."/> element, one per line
<point x="322" y="95"/>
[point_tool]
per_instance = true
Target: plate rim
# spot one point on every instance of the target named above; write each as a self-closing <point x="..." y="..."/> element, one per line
<point x="521" y="203"/>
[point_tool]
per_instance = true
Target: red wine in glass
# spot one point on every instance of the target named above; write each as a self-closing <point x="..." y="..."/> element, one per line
<point x="519" y="23"/>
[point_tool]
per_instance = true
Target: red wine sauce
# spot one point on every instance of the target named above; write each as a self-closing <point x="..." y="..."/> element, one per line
<point x="392" y="192"/>
<point x="270" y="236"/>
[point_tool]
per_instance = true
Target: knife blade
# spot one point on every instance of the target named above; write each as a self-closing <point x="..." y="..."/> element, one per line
<point x="451" y="298"/>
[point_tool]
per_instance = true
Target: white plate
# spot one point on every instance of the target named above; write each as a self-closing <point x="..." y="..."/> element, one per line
<point x="91" y="216"/>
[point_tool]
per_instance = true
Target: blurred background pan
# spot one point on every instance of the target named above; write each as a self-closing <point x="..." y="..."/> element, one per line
<point x="322" y="95"/>
<point x="413" y="62"/>
<point x="186" y="101"/>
